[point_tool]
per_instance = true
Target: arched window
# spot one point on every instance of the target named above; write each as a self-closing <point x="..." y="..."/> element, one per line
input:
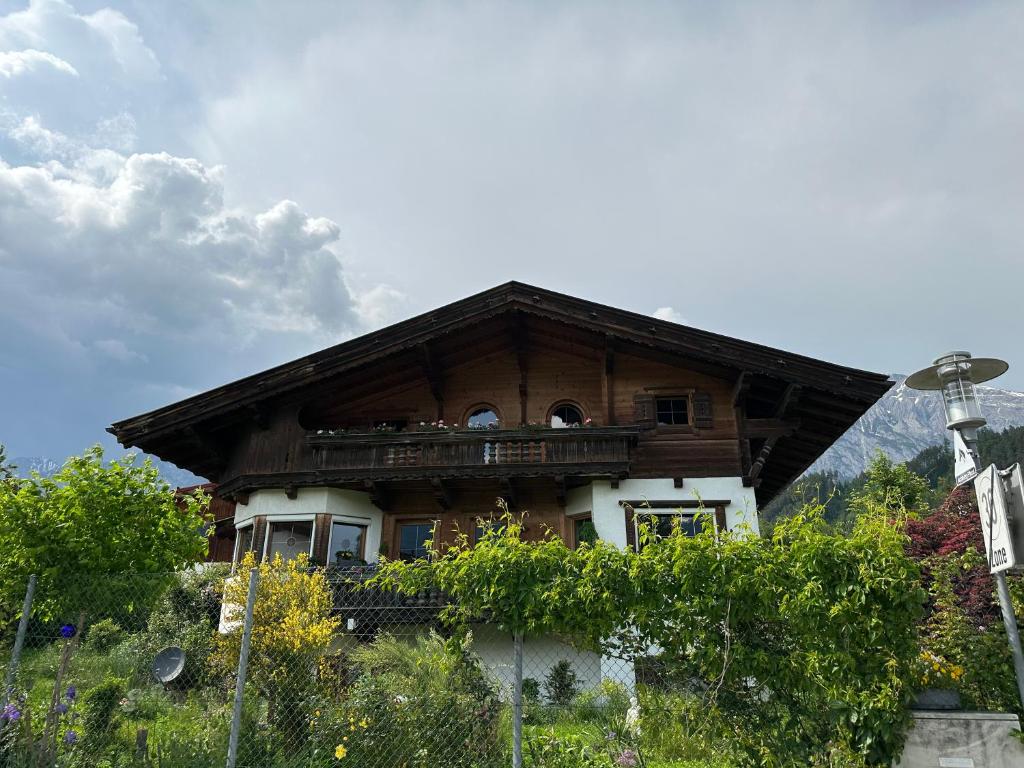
<point x="483" y="417"/>
<point x="566" y="415"/>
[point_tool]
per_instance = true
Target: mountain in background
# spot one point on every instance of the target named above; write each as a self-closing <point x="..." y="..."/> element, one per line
<point x="905" y="422"/>
<point x="174" y="476"/>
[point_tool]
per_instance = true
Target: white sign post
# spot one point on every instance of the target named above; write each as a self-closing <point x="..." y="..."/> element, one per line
<point x="995" y="520"/>
<point x="964" y="470"/>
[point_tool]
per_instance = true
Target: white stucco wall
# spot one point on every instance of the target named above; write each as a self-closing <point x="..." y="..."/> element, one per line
<point x="343" y="505"/>
<point x="602" y="501"/>
<point x="494" y="648"/>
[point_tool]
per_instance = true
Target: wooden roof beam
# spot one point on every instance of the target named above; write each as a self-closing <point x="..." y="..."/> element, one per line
<point x="789" y="398"/>
<point x="433" y="374"/>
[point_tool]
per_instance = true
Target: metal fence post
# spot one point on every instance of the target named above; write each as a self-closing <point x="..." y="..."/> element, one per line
<point x="517" y="700"/>
<point x="19" y="640"/>
<point x="243" y="664"/>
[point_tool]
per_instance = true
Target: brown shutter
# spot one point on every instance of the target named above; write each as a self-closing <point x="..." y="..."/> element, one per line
<point x="630" y="529"/>
<point x="702" y="417"/>
<point x="321" y="539"/>
<point x="720" y="520"/>
<point x="644" y="413"/>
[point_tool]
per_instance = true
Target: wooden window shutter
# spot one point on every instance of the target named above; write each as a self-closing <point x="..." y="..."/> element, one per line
<point x="644" y="413"/>
<point x="720" y="520"/>
<point x="702" y="416"/>
<point x="321" y="539"/>
<point x="630" y="530"/>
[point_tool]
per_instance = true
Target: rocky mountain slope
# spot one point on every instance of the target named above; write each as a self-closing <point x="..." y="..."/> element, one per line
<point x="47" y="467"/>
<point x="906" y="421"/>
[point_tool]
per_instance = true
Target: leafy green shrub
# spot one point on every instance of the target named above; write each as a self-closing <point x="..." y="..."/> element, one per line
<point x="561" y="683"/>
<point x="799" y="644"/>
<point x="96" y="517"/>
<point x="103" y="635"/>
<point x="100" y="709"/>
<point x="531" y="691"/>
<point x="186" y="615"/>
<point x="293" y="628"/>
<point x="606" y="704"/>
<point x="603" y="750"/>
<point x="423" y="704"/>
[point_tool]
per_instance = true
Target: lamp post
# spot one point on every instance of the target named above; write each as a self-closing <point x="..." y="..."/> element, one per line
<point x="955" y="375"/>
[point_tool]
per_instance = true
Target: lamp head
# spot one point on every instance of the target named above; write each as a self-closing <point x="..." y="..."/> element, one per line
<point x="955" y="374"/>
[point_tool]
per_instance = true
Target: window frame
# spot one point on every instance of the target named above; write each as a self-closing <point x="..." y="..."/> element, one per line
<point x="638" y="514"/>
<point x="577" y="521"/>
<point x="271" y="519"/>
<point x="562" y="403"/>
<point x="687" y="396"/>
<point x="355" y="522"/>
<point x="397" y="536"/>
<point x="482" y="406"/>
<point x="237" y="553"/>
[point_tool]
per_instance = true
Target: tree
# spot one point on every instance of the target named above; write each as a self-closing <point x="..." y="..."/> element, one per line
<point x="95" y="519"/>
<point x="890" y="486"/>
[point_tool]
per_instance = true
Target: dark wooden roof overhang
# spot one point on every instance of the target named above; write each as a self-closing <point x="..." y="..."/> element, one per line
<point x="787" y="434"/>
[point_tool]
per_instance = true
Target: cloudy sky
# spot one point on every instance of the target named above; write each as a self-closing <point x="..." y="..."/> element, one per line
<point x="193" y="191"/>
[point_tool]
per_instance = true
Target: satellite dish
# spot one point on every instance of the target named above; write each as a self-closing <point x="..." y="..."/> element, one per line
<point x="169" y="664"/>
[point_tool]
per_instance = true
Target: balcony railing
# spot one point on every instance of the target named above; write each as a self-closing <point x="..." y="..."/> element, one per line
<point x="364" y="609"/>
<point x="484" y="451"/>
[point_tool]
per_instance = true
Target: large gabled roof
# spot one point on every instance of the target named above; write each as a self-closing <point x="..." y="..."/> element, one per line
<point x="838" y="394"/>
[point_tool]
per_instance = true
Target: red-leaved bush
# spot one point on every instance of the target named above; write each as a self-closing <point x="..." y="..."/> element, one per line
<point x="953" y="529"/>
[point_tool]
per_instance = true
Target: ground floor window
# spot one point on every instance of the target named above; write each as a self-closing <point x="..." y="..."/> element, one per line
<point x="664" y="523"/>
<point x="289" y="539"/>
<point x="485" y="525"/>
<point x="413" y="538"/>
<point x="348" y="542"/>
<point x="243" y="541"/>
<point x="583" y="531"/>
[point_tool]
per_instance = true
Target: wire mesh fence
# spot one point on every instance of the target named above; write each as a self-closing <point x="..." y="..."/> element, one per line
<point x="169" y="670"/>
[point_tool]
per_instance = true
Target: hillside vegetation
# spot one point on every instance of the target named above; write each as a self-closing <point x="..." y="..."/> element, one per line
<point x="934" y="465"/>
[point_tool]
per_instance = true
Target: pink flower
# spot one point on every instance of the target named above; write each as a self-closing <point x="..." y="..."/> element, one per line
<point x="627" y="759"/>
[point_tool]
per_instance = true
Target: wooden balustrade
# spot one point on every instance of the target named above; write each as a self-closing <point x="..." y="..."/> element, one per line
<point x="499" y="450"/>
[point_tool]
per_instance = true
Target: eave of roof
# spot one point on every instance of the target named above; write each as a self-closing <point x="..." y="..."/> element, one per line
<point x="862" y="387"/>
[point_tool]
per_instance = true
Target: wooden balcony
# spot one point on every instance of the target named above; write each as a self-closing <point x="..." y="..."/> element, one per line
<point x="584" y="451"/>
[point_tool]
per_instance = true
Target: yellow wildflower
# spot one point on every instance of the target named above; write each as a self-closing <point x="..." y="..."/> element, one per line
<point x="364" y="724"/>
<point x="340" y="751"/>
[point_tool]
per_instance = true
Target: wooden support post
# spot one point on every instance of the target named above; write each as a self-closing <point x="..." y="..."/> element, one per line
<point x="608" y="380"/>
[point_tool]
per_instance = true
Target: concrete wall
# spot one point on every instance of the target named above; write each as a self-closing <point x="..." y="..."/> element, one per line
<point x="962" y="740"/>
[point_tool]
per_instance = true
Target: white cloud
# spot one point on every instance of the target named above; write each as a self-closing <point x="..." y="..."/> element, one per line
<point x="153" y="249"/>
<point x="669" y="314"/>
<point x="14" y="63"/>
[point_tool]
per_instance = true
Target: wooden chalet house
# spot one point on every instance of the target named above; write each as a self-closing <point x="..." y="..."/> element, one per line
<point x="573" y="411"/>
<point x="582" y="415"/>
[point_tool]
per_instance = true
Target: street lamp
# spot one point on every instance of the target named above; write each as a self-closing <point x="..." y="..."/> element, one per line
<point x="955" y="375"/>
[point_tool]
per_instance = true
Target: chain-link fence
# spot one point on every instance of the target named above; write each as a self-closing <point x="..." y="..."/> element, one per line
<point x="289" y="667"/>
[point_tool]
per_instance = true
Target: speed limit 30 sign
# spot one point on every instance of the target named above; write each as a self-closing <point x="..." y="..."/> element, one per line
<point x="1001" y="504"/>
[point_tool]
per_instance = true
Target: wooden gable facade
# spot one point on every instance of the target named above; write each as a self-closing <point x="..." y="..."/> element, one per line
<point x="364" y="417"/>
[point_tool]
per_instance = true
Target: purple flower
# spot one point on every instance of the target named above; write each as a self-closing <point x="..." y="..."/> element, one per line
<point x="70" y="737"/>
<point x="70" y="695"/>
<point x="10" y="713"/>
<point x="61" y="708"/>
<point x="611" y="736"/>
<point x="627" y="759"/>
<point x="67" y="631"/>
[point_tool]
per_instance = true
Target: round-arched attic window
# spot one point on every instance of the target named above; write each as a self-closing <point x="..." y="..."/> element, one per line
<point x="566" y="415"/>
<point x="483" y="416"/>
